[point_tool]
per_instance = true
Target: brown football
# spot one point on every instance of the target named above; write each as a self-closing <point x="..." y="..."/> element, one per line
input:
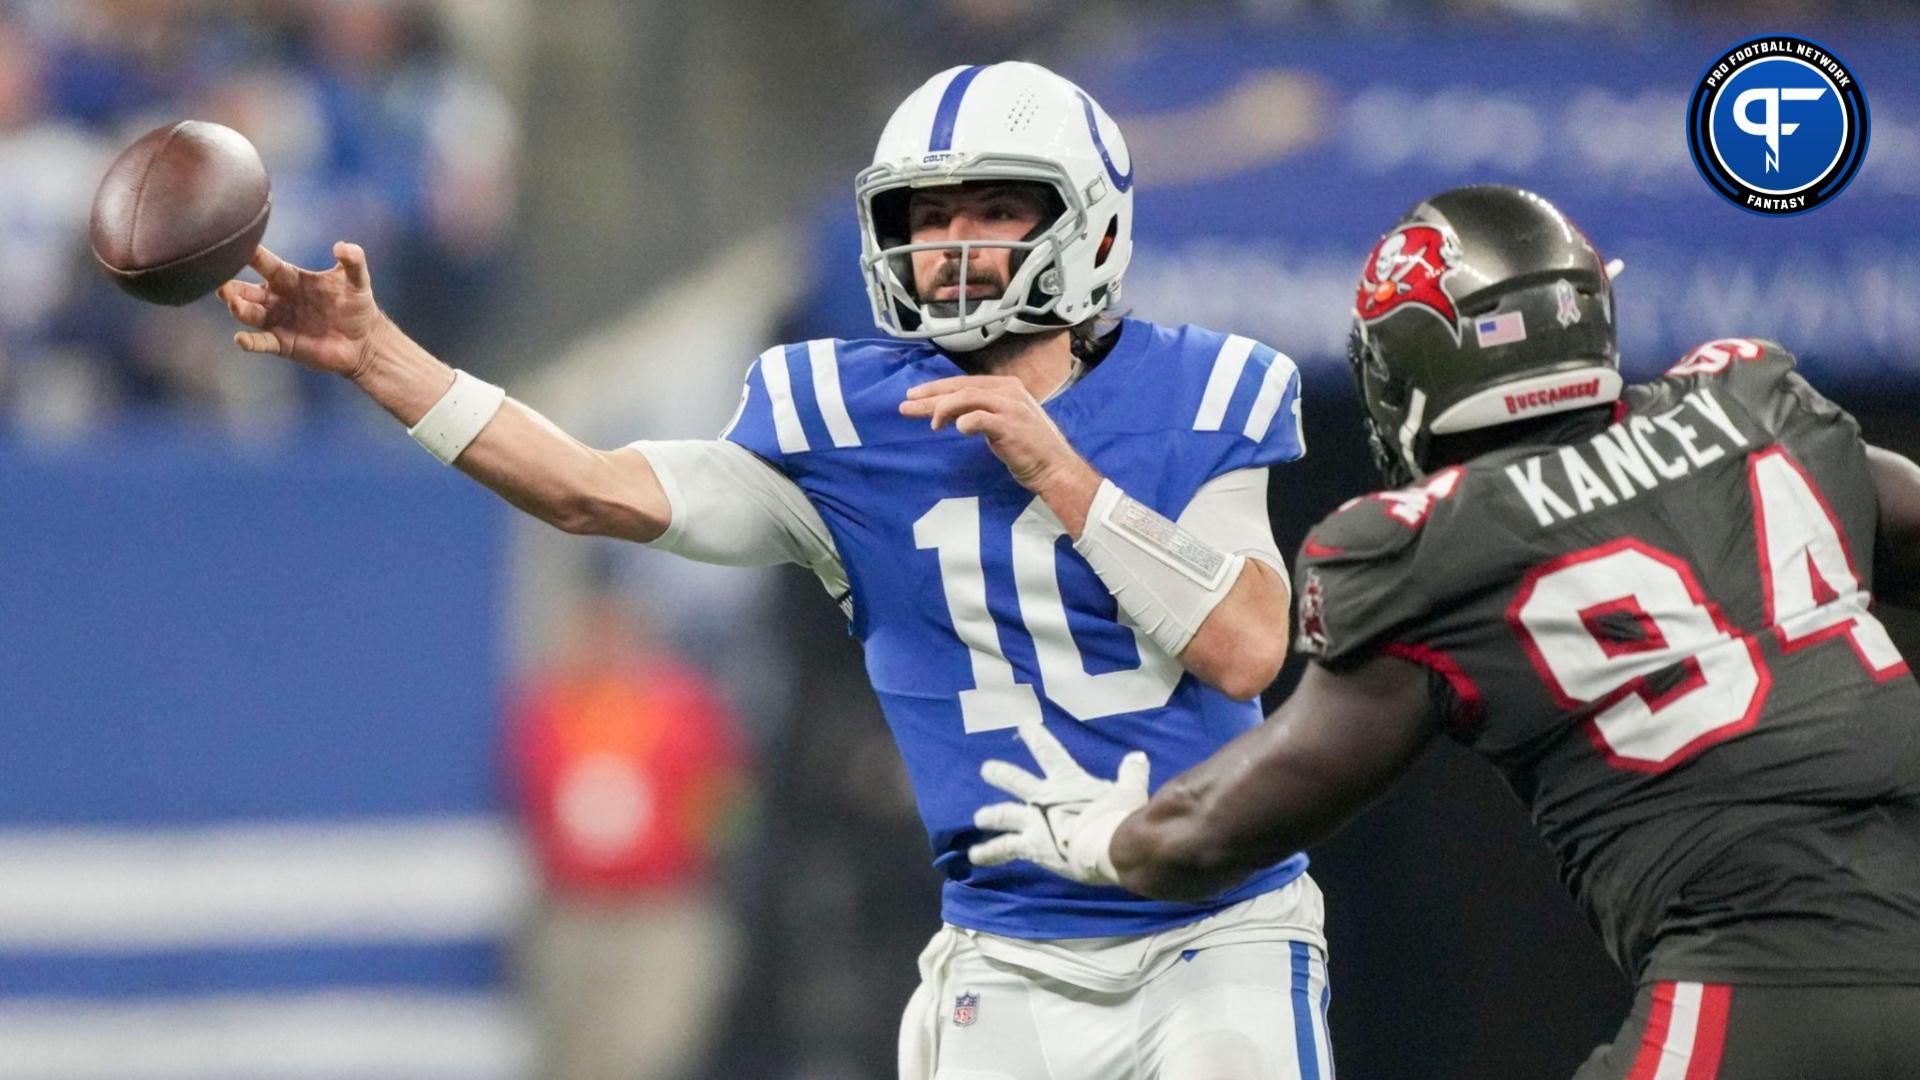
<point x="180" y="211"/>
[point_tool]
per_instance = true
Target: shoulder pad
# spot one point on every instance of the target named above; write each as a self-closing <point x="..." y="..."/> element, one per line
<point x="864" y="359"/>
<point x="821" y="395"/>
<point x="1241" y="394"/>
<point x="1380" y="525"/>
<point x="1235" y="384"/>
<point x="1758" y="376"/>
<point x="1734" y="358"/>
<point x="1356" y="586"/>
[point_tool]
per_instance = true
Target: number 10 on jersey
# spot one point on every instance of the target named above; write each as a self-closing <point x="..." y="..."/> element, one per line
<point x="997" y="700"/>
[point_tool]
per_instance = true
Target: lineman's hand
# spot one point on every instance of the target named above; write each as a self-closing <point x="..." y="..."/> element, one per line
<point x="323" y="319"/>
<point x="1066" y="818"/>
<point x="1018" y="431"/>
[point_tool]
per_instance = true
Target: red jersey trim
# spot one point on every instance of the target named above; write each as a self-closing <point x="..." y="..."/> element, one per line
<point x="1472" y="706"/>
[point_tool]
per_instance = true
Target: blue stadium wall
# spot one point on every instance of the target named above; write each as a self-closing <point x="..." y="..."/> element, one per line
<point x="248" y="780"/>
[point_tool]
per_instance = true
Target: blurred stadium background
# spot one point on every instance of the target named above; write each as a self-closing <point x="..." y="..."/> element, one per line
<point x="315" y="762"/>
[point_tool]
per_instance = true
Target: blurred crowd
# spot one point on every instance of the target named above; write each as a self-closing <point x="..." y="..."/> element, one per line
<point x="379" y="124"/>
<point x="373" y="127"/>
<point x="1020" y="25"/>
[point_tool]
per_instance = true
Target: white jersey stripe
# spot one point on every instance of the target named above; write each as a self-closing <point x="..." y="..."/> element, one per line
<point x="826" y="391"/>
<point x="1272" y="388"/>
<point x="786" y="419"/>
<point x="1227" y="365"/>
<point x="1677" y="1052"/>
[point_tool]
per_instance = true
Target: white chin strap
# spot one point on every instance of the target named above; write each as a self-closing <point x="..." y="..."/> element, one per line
<point x="982" y="336"/>
<point x="953" y="333"/>
<point x="969" y="340"/>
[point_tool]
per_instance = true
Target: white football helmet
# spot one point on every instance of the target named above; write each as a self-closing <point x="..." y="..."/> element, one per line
<point x="1009" y="122"/>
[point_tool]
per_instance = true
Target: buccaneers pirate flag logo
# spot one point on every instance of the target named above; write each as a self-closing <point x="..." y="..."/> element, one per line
<point x="1407" y="269"/>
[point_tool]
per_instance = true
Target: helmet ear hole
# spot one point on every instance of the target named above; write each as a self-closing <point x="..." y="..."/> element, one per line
<point x="1106" y="241"/>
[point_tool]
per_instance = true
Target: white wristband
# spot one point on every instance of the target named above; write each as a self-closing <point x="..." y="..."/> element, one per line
<point x="458" y="417"/>
<point x="1165" y="578"/>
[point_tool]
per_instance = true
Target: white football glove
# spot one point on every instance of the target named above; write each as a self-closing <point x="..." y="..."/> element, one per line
<point x="1066" y="818"/>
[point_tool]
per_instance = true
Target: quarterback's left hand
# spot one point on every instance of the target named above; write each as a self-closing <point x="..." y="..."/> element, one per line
<point x="1017" y="430"/>
<point x="1066" y="818"/>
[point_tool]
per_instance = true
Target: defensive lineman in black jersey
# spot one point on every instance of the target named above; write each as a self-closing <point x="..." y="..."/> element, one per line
<point x="1646" y="606"/>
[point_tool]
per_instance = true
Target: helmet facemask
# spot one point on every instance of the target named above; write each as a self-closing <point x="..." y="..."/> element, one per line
<point x="1008" y="123"/>
<point x="1397" y="447"/>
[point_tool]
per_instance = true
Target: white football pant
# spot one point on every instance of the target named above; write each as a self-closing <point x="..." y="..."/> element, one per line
<point x="1241" y="995"/>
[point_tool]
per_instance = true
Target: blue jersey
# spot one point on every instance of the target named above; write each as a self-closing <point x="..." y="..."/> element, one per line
<point x="973" y="607"/>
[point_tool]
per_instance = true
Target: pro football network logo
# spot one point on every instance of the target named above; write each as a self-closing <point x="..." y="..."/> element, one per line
<point x="1408" y="268"/>
<point x="1778" y="125"/>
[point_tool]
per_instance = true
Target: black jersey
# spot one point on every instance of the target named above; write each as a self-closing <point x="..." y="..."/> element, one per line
<point x="1659" y="634"/>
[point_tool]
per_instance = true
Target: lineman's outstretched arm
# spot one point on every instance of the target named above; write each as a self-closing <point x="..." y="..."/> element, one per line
<point x="328" y="321"/>
<point x="1896" y="481"/>
<point x="1339" y="742"/>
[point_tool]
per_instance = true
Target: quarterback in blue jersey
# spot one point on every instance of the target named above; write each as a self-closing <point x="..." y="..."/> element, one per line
<point x="1037" y="516"/>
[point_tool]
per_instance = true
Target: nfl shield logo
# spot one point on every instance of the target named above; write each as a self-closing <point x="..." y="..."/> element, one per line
<point x="966" y="1008"/>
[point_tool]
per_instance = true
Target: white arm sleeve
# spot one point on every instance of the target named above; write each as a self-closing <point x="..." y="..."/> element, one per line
<point x="727" y="506"/>
<point x="1230" y="512"/>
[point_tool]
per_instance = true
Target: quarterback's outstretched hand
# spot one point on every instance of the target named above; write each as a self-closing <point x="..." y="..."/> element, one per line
<point x="1066" y="818"/>
<point x="999" y="409"/>
<point x="324" y="319"/>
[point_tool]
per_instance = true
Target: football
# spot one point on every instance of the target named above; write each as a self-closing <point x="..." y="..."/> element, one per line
<point x="180" y="211"/>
